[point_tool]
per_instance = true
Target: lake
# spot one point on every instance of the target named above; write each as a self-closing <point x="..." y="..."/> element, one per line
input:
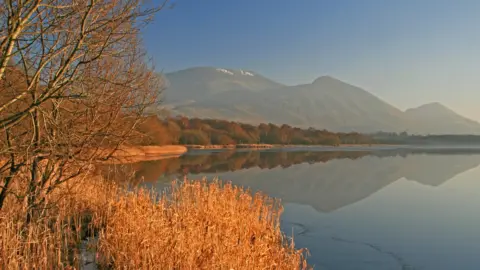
<point x="390" y="209"/>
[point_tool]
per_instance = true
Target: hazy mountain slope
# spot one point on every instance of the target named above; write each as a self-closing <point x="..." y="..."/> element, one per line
<point x="326" y="103"/>
<point x="332" y="104"/>
<point x="245" y="106"/>
<point x="435" y="118"/>
<point x="201" y="82"/>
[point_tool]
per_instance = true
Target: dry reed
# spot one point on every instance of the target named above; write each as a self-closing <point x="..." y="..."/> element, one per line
<point x="52" y="240"/>
<point x="196" y="225"/>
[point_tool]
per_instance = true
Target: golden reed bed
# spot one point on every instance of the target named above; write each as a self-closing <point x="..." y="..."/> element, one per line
<point x="195" y="225"/>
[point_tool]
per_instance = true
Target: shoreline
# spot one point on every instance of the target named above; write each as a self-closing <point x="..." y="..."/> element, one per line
<point x="278" y="146"/>
<point x="133" y="154"/>
<point x="341" y="147"/>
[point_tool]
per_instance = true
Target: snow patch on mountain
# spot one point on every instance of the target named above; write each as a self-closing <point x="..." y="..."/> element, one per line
<point x="242" y="72"/>
<point x="246" y="73"/>
<point x="226" y="71"/>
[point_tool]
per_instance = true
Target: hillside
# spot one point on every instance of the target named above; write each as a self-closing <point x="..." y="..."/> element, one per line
<point x="334" y="105"/>
<point x="326" y="103"/>
<point x="204" y="82"/>
<point x="435" y="118"/>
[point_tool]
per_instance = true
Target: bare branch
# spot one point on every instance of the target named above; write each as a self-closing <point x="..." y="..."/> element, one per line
<point x="74" y="84"/>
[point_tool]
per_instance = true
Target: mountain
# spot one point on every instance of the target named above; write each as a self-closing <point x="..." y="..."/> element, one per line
<point x="332" y="104"/>
<point x="326" y="103"/>
<point x="203" y="82"/>
<point x="435" y="118"/>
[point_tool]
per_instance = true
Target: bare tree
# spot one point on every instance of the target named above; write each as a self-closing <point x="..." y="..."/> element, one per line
<point x="74" y="82"/>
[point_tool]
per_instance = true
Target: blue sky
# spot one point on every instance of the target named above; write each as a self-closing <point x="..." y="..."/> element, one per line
<point x="406" y="52"/>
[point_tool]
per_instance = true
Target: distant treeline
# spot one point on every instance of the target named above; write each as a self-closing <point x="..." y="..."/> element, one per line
<point x="405" y="138"/>
<point x="196" y="131"/>
<point x="182" y="130"/>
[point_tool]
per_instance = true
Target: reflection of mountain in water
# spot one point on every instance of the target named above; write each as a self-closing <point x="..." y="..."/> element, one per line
<point x="325" y="180"/>
<point x="338" y="183"/>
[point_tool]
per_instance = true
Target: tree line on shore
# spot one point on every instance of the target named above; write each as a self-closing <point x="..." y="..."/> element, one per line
<point x="196" y="131"/>
<point x="153" y="130"/>
<point x="430" y="139"/>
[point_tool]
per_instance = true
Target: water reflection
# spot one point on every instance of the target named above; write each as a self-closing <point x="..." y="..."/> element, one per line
<point x="230" y="161"/>
<point x="324" y="180"/>
<point x="356" y="209"/>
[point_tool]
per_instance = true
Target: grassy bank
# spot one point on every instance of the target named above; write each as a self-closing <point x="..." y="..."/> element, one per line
<point x="195" y="225"/>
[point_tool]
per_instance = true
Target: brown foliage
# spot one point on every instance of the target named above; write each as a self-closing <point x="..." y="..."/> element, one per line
<point x="221" y="132"/>
<point x="73" y="82"/>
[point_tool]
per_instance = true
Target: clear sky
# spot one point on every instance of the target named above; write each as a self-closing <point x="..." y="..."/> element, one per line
<point x="407" y="52"/>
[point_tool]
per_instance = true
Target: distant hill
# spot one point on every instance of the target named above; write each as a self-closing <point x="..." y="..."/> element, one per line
<point x="326" y="103"/>
<point x="435" y="118"/>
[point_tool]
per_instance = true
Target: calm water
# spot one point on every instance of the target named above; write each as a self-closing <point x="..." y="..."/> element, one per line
<point x="357" y="209"/>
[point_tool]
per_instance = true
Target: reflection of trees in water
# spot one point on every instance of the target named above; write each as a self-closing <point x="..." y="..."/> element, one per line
<point x="233" y="161"/>
<point x="229" y="161"/>
<point x="219" y="162"/>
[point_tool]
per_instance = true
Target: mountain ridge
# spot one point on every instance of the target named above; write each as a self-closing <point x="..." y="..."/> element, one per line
<point x="327" y="102"/>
